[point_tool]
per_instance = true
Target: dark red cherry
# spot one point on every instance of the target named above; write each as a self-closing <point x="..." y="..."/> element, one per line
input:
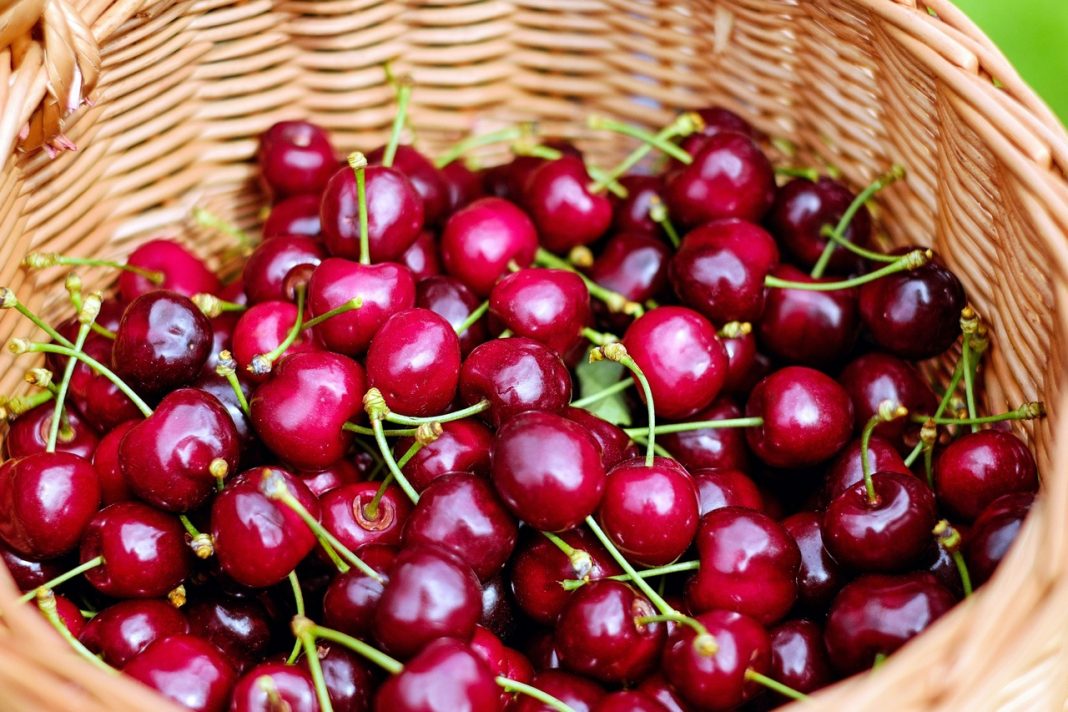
<point x="394" y="213"/>
<point x="977" y="468"/>
<point x="749" y="564"/>
<point x="299" y="413"/>
<point x="187" y="670"/>
<point x="502" y="661"/>
<point x="429" y="595"/>
<point x="717" y="489"/>
<point x="144" y="551"/>
<point x="798" y="658"/>
<point x="716" y="119"/>
<point x="122" y="630"/>
<point x="350" y="601"/>
<point x="425" y="178"/>
<point x="508" y="180"/>
<point x="258" y="541"/>
<point x="803" y="208"/>
<point x="167" y="459"/>
<point x="631" y="214"/>
<point x="183" y="272"/>
<point x="995" y="530"/>
<point x="28" y="433"/>
<point x="720" y="448"/>
<point x="499" y="613"/>
<point x="913" y="314"/>
<point x="260" y="330"/>
<point x="295" y="157"/>
<point x="113" y="486"/>
<point x="538" y="567"/>
<point x="615" y="444"/>
<point x="269" y="687"/>
<point x="333" y="476"/>
<point x="239" y="627"/>
<point x="266" y="268"/>
<point x="27" y="573"/>
<point x="657" y="687"/>
<point x="463" y="185"/>
<point x="598" y="633"/>
<point x="462" y="514"/>
<point x="514" y="375"/>
<point x="296" y="216"/>
<point x="463" y="446"/>
<point x="847" y="470"/>
<point x="479" y="242"/>
<point x="449" y="297"/>
<point x="48" y="500"/>
<point x="629" y="701"/>
<point x="162" y="342"/>
<point x="548" y="470"/>
<point x="578" y="693"/>
<point x="93" y="395"/>
<point x="422" y="257"/>
<point x="649" y="512"/>
<point x="565" y="211"/>
<point x="444" y="677"/>
<point x="820" y="576"/>
<point x="414" y="360"/>
<point x="347" y="514"/>
<point x="742" y="361"/>
<point x="729" y="178"/>
<point x="679" y="353"/>
<point x="877" y="377"/>
<point x="878" y="614"/>
<point x="349" y="682"/>
<point x="633" y="264"/>
<point x="70" y="615"/>
<point x="810" y="328"/>
<point x="215" y="385"/>
<point x="807" y="416"/>
<point x="717" y="681"/>
<point x="550" y="306"/>
<point x="720" y="268"/>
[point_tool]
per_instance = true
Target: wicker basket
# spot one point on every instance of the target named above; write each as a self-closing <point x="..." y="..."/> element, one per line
<point x="180" y="89"/>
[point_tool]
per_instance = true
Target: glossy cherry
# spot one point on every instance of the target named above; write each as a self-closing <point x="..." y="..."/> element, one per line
<point x="577" y="692"/>
<point x="658" y="688"/>
<point x="260" y="330"/>
<point x="422" y="257"/>
<point x="444" y="677"/>
<point x="28" y="573"/>
<point x="297" y="216"/>
<point x="449" y="297"/>
<point x="629" y="701"/>
<point x="240" y="627"/>
<point x="347" y="514"/>
<point x="718" y="488"/>
<point x="349" y="682"/>
<point x="993" y="533"/>
<point x="479" y="242"/>
<point x="634" y="265"/>
<point x="113" y="486"/>
<point x="187" y="670"/>
<point x="268" y="686"/>
<point x="350" y="601"/>
<point x="182" y="271"/>
<point x="121" y="631"/>
<point x="720" y="448"/>
<point x="295" y="157"/>
<point x="807" y="327"/>
<point x="550" y="306"/>
<point x="514" y="375"/>
<point x="716" y="120"/>
<point x="162" y="342"/>
<point x="877" y="377"/>
<point x="615" y="444"/>
<point x="414" y="360"/>
<point x="820" y="577"/>
<point x="28" y="433"/>
<point x="266" y="269"/>
<point x="798" y="658"/>
<point x="215" y="385"/>
<point x="463" y="446"/>
<point x="426" y="179"/>
<point x="977" y="468"/>
<point x="93" y="395"/>
<point x="463" y="185"/>
<point x="743" y="360"/>
<point x="565" y="211"/>
<point x="631" y="214"/>
<point x="803" y="208"/>
<point x="847" y="470"/>
<point x="342" y="472"/>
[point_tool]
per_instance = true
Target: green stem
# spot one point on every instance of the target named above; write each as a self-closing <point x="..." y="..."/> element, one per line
<point x="8" y="300"/>
<point x="865" y="456"/>
<point x="810" y="174"/>
<point x="657" y="447"/>
<point x="657" y="600"/>
<point x="390" y="665"/>
<point x="311" y="654"/>
<point x="46" y="602"/>
<point x="404" y="96"/>
<point x="510" y="134"/>
<point x="675" y="617"/>
<point x="658" y="213"/>
<point x="611" y="390"/>
<point x="1027" y="411"/>
<point x="61" y="393"/>
<point x="63" y="578"/>
<point x="775" y="685"/>
<point x="616" y="302"/>
<point x="387" y="456"/>
<point x="962" y="569"/>
<point x="867" y="254"/>
<point x="751" y="422"/>
<point x="970" y="368"/>
<point x="601" y="123"/>
<point x="951" y="388"/>
<point x="227" y="368"/>
<point x="262" y="363"/>
<point x="40" y="260"/>
<point x="467" y="412"/>
<point x="298" y="598"/>
<point x="358" y="163"/>
<point x="189" y="527"/>
<point x="369" y="432"/>
<point x="683" y="125"/>
<point x="678" y="567"/>
<point x="472" y="318"/>
<point x="208" y="219"/>
<point x="350" y="305"/>
<point x="650" y="449"/>
<point x="522" y="688"/>
<point x="911" y="261"/>
<point x="598" y="338"/>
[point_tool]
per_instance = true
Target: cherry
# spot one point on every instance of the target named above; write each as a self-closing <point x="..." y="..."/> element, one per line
<point x="502" y="661"/>
<point x="717" y="489"/>
<point x="348" y="681"/>
<point x="425" y="178"/>
<point x="260" y="330"/>
<point x="720" y="268"/>
<point x="803" y="208"/>
<point x="182" y="271"/>
<point x="113" y="487"/>
<point x="498" y="609"/>
<point x="913" y="314"/>
<point x="719" y="448"/>
<point x="239" y="627"/>
<point x="445" y="676"/>
<point x="93" y="395"/>
<point x="993" y="533"/>
<point x="394" y="213"/>
<point x="259" y="541"/>
<point x="162" y="342"/>
<point x="820" y="576"/>
<point x="187" y="670"/>
<point x="743" y="367"/>
<point x="266" y="269"/>
<point x="548" y="470"/>
<point x="414" y="360"/>
<point x="550" y="306"/>
<point x="877" y="377"/>
<point x="28" y="433"/>
<point x="121" y="631"/>
<point x="847" y="470"/>
<point x="717" y="681"/>
<point x="174" y="458"/>
<point x="658" y="688"/>
<point x="629" y="701"/>
<point x="384" y="289"/>
<point x="449" y="297"/>
<point x="422" y="257"/>
<point x="807" y="416"/>
<point x="798" y="658"/>
<point x="749" y="564"/>
<point x="681" y="357"/>
<point x="299" y="413"/>
<point x="631" y="214"/>
<point x="144" y="551"/>
<point x="729" y="178"/>
<point x="877" y="614"/>
<point x="272" y="686"/>
<point x="977" y="468"/>
<point x="514" y="375"/>
<point x="347" y="514"/>
<point x="716" y="119"/>
<point x="565" y="211"/>
<point x="650" y="513"/>
<point x="600" y="634"/>
<point x="634" y="265"/>
<point x="69" y="615"/>
<point x="479" y="242"/>
<point x="463" y="446"/>
<point x="615" y="444"/>
<point x="812" y="328"/>
<point x="429" y="595"/>
<point x="329" y="478"/>
<point x="295" y="157"/>
<point x="27" y="573"/>
<point x="462" y="514"/>
<point x="48" y="500"/>
<point x="295" y="216"/>
<point x="578" y="693"/>
<point x="539" y="565"/>
<point x="463" y="185"/>
<point x="350" y="600"/>
<point x="218" y="386"/>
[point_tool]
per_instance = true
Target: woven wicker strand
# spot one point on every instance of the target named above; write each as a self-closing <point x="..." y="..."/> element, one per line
<point x="179" y="89"/>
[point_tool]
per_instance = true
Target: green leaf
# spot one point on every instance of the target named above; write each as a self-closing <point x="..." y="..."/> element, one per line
<point x="594" y="378"/>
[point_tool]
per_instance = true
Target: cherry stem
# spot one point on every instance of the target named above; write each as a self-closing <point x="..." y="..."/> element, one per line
<point x="951" y="388"/>
<point x="261" y="364"/>
<point x="524" y="147"/>
<point x="1027" y="411"/>
<point x="86" y="316"/>
<point x="404" y="96"/>
<point x="775" y="685"/>
<point x="467" y="412"/>
<point x="580" y="559"/>
<point x="306" y="638"/>
<point x="657" y="447"/>
<point x="880" y="658"/>
<point x="208" y="219"/>
<point x="18" y="405"/>
<point x="602" y="123"/>
<point x="887" y="412"/>
<point x="387" y="663"/>
<point x="21" y="346"/>
<point x="677" y="567"/>
<point x="867" y="254"/>
<point x="676" y="617"/>
<point x="683" y="125"/>
<point x="598" y="338"/>
<point x="970" y="367"/>
<point x="810" y="174"/>
<point x="358" y="163"/>
<point x="43" y="260"/>
<point x="515" y="686"/>
<point x="910" y="261"/>
<point x="227" y="368"/>
<point x="298" y="598"/>
<point x="472" y="318"/>
<point x="8" y="300"/>
<point x="658" y="213"/>
<point x="618" y="352"/>
<point x="895" y="173"/>
<point x="74" y="291"/>
<point x="751" y="422"/>
<point x="616" y="387"/>
<point x="363" y="430"/>
<point x="615" y="301"/>
<point x="46" y="602"/>
<point x="949" y="539"/>
<point x="370" y="510"/>
<point x="350" y="305"/>
<point x="661" y="605"/>
<point x="201" y="544"/>
<point x="63" y="578"/>
<point x="391" y="464"/>
<point x="212" y="306"/>
<point x="510" y="134"/>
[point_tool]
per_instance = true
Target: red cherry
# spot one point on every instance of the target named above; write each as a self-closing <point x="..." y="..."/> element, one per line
<point x="877" y="377"/>
<point x="719" y="448"/>
<point x="463" y="446"/>
<point x="806" y="327"/>
<point x="348" y="680"/>
<point x="615" y="444"/>
<point x="445" y="676"/>
<point x="479" y="242"/>
<point x="113" y="486"/>
<point x="634" y="265"/>
<point x="802" y="210"/>
<point x="742" y="360"/>
<point x="183" y="272"/>
<point x="631" y="214"/>
<point x="550" y="306"/>
<point x="329" y="478"/>
<point x="464" y="186"/>
<point x="448" y="297"/>
<point x="422" y="257"/>
<point x="977" y="468"/>
<point x="162" y="342"/>
<point x="239" y="627"/>
<point x="121" y="631"/>
<point x="717" y="489"/>
<point x="28" y="433"/>
<point x="260" y="330"/>
<point x="565" y="211"/>
<point x="578" y="693"/>
<point x="658" y="688"/>
<point x="995" y="530"/>
<point x="347" y="514"/>
<point x="414" y="360"/>
<point x="820" y="576"/>
<point x="297" y="216"/>
<point x="629" y="701"/>
<point x="514" y="375"/>
<point x="846" y="470"/>
<point x="798" y="658"/>
<point x="350" y="600"/>
<point x="295" y="157"/>
<point x="394" y="213"/>
<point x="187" y="670"/>
<point x="266" y="269"/>
<point x="27" y="573"/>
<point x="268" y="686"/>
<point x="93" y="395"/>
<point x="425" y="178"/>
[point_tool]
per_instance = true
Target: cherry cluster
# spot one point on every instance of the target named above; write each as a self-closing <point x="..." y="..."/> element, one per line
<point x="540" y="436"/>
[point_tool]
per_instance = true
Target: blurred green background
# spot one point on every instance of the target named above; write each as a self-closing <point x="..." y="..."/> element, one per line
<point x="1033" y="34"/>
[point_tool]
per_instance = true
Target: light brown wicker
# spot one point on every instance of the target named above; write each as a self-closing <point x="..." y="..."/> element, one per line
<point x="179" y="90"/>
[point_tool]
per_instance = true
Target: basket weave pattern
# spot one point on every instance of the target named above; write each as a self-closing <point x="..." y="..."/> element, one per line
<point x="179" y="90"/>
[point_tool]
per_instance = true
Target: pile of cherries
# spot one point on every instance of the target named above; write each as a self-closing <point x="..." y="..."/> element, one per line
<point x="358" y="474"/>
